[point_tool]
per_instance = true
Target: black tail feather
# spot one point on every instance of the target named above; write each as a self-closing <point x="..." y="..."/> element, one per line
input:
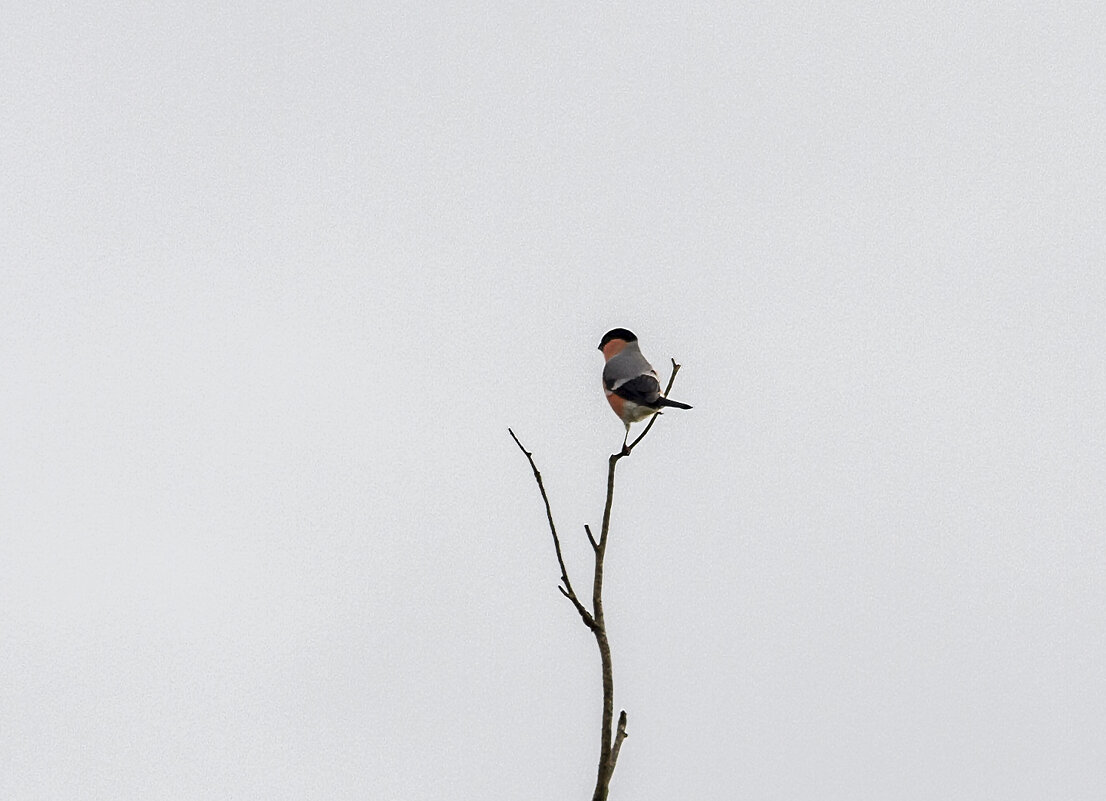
<point x="675" y="404"/>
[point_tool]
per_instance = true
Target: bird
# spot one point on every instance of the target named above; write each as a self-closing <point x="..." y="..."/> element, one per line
<point x="631" y="384"/>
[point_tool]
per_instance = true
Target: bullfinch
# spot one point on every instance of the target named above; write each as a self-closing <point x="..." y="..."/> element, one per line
<point x="630" y="382"/>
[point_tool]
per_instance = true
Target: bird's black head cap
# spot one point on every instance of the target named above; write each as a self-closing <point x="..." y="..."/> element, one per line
<point x="617" y="333"/>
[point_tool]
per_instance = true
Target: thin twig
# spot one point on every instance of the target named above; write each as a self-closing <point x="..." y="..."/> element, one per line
<point x="567" y="590"/>
<point x="619" y="736"/>
<point x="589" y="621"/>
<point x="591" y="539"/>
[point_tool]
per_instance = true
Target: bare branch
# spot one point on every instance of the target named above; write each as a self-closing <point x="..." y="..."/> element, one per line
<point x="619" y="736"/>
<point x="585" y="615"/>
<point x="611" y="738"/>
<point x="567" y="591"/>
<point x="608" y="753"/>
<point x="603" y="778"/>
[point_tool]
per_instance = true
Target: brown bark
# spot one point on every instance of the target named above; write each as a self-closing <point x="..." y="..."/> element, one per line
<point x="611" y="738"/>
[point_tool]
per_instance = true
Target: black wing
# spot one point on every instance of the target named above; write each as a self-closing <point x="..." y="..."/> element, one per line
<point x="644" y="390"/>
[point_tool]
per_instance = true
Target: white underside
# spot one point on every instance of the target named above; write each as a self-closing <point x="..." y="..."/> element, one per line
<point x="635" y="412"/>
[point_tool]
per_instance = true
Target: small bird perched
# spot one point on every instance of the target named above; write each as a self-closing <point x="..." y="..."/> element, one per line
<point x="632" y="387"/>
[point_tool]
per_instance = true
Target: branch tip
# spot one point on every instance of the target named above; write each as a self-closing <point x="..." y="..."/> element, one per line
<point x="619" y="736"/>
<point x="526" y="452"/>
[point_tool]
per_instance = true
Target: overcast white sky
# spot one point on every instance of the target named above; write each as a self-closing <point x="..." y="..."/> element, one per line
<point x="276" y="278"/>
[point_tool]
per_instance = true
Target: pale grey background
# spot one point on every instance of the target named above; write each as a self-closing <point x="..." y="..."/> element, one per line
<point x="276" y="279"/>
